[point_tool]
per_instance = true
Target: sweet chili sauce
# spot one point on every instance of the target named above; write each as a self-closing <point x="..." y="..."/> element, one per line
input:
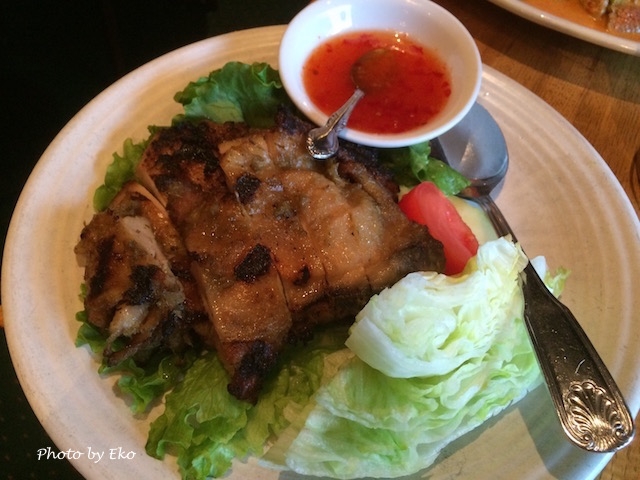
<point x="417" y="93"/>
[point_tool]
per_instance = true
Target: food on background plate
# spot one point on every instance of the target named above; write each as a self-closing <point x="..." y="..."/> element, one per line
<point x="217" y="197"/>
<point x="615" y="17"/>
<point x="622" y="15"/>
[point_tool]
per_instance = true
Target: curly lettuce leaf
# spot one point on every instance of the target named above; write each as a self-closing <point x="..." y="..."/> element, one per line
<point x="120" y="171"/>
<point x="238" y="92"/>
<point x="414" y="164"/>
<point x="140" y="384"/>
<point x="206" y="427"/>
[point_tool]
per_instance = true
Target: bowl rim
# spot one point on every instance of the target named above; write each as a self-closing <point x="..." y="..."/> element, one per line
<point x="291" y="60"/>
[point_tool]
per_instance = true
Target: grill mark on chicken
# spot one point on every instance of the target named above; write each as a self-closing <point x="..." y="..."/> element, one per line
<point x="255" y="264"/>
<point x="246" y="187"/>
<point x="273" y="242"/>
<point x="304" y="274"/>
<point x="98" y="281"/>
<point x="274" y="215"/>
<point x="256" y="361"/>
<point x="142" y="285"/>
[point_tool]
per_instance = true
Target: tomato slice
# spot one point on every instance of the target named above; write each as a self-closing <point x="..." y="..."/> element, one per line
<point x="427" y="205"/>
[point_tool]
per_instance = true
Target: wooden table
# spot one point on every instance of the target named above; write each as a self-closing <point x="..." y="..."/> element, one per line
<point x="596" y="89"/>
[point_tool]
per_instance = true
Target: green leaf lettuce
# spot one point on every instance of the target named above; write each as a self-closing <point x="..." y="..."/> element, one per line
<point x="238" y="92"/>
<point x="207" y="428"/>
<point x="414" y="164"/>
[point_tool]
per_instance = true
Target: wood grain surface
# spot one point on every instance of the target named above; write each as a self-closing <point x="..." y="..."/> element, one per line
<point x="594" y="88"/>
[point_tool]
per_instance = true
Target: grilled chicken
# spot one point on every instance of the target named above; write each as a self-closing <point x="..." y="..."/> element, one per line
<point x="278" y="243"/>
<point x="137" y="273"/>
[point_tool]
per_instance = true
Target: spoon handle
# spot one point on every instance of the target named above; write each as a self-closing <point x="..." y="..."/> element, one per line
<point x="588" y="402"/>
<point x="322" y="142"/>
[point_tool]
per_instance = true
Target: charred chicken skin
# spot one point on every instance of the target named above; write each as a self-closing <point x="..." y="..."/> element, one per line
<point x="138" y="278"/>
<point x="276" y="244"/>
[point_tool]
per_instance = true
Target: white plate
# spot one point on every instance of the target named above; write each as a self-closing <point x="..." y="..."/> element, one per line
<point x="583" y="32"/>
<point x="560" y="196"/>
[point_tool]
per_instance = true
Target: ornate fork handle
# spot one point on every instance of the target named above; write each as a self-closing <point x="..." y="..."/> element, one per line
<point x="588" y="402"/>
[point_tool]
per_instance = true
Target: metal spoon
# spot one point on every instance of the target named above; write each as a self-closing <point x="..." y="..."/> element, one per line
<point x="371" y="72"/>
<point x="588" y="402"/>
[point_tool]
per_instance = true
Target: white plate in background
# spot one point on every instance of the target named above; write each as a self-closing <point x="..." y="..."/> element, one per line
<point x="583" y="32"/>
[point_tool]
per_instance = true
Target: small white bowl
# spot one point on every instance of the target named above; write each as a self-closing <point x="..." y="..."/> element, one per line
<point x="423" y="21"/>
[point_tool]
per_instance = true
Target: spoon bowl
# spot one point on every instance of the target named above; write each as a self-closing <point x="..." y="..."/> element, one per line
<point x="476" y="148"/>
<point x="589" y="404"/>
<point x="374" y="70"/>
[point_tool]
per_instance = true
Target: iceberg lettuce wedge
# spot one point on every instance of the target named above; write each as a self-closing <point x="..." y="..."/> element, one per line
<point x="370" y="423"/>
<point x="430" y="324"/>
